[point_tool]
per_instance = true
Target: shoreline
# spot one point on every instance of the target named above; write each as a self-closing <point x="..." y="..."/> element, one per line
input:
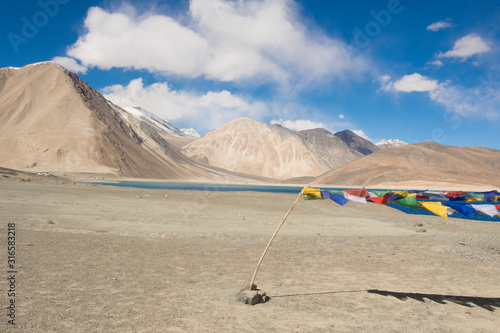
<point x="389" y="186"/>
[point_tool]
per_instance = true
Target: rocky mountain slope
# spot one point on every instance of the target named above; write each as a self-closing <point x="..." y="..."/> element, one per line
<point x="51" y="120"/>
<point x="336" y="149"/>
<point x="424" y="163"/>
<point x="248" y="146"/>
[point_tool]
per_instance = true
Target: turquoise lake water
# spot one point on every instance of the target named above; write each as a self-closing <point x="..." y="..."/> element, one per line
<point x="210" y="187"/>
<point x="274" y="189"/>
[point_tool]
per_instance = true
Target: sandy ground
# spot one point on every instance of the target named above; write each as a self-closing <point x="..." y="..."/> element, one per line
<point x="100" y="259"/>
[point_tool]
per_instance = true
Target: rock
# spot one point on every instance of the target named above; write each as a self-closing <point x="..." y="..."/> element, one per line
<point x="262" y="296"/>
<point x="250" y="297"/>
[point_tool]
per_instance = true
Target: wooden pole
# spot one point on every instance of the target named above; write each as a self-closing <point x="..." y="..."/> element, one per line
<point x="272" y="238"/>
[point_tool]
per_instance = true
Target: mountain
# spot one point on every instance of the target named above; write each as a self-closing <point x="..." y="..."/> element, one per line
<point x="143" y="114"/>
<point x="356" y="142"/>
<point x="51" y="120"/>
<point x="248" y="146"/>
<point x="191" y="132"/>
<point x="390" y="143"/>
<point x="167" y="130"/>
<point x="427" y="163"/>
<point x="335" y="149"/>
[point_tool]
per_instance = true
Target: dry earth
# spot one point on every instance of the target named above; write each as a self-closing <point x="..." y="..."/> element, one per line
<point x="100" y="259"/>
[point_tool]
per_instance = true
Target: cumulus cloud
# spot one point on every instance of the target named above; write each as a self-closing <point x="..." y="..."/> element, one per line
<point x="341" y="116"/>
<point x="415" y="82"/>
<point x="436" y="62"/>
<point x="202" y="111"/>
<point x="154" y="43"/>
<point x="408" y="83"/>
<point x="436" y="26"/>
<point x="298" y="125"/>
<point x="481" y="101"/>
<point x="70" y="64"/>
<point x="466" y="47"/>
<point x="218" y="39"/>
<point x="362" y="134"/>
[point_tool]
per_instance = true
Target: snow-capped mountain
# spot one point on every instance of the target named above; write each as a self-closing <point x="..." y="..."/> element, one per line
<point x="390" y="143"/>
<point x="191" y="132"/>
<point x="141" y="113"/>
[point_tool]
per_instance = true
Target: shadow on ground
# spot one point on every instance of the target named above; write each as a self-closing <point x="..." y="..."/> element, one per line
<point x="485" y="302"/>
<point x="488" y="303"/>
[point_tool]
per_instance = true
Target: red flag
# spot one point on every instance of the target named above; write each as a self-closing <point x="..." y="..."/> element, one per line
<point x="379" y="200"/>
<point x="454" y="194"/>
<point x="362" y="193"/>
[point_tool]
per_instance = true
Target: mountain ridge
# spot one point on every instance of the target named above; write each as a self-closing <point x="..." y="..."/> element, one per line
<point x="271" y="150"/>
<point x="426" y="163"/>
<point x="51" y="120"/>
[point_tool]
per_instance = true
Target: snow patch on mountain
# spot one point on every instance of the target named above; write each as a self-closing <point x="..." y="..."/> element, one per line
<point x="191" y="132"/>
<point x="390" y="143"/>
<point x="143" y="114"/>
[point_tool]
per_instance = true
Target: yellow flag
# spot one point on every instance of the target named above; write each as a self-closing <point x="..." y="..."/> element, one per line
<point x="404" y="194"/>
<point x="312" y="192"/>
<point x="436" y="208"/>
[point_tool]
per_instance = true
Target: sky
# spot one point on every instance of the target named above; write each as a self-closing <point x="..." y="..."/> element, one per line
<point x="392" y="69"/>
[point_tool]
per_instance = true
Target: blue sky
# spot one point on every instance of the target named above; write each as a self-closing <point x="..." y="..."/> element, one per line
<point x="410" y="70"/>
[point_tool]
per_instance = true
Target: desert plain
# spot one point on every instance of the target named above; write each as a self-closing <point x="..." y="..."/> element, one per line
<point x="107" y="259"/>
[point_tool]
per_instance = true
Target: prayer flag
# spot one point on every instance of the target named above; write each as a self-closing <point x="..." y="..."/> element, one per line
<point x="466" y="210"/>
<point x="339" y="199"/>
<point x="311" y="193"/>
<point x="436" y="208"/>
<point x="354" y="198"/>
<point x="486" y="209"/>
<point x="410" y="201"/>
<point x="361" y="193"/>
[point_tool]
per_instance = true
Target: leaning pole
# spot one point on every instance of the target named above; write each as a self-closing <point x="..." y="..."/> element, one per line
<point x="269" y="244"/>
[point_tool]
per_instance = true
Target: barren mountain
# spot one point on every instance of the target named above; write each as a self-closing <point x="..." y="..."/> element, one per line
<point x="356" y="142"/>
<point x="51" y="120"/>
<point x="424" y="163"/>
<point x="248" y="146"/>
<point x="251" y="147"/>
<point x="150" y="123"/>
<point x="336" y="149"/>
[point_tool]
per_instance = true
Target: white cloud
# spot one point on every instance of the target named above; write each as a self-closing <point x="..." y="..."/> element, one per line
<point x="466" y="47"/>
<point x="408" y="83"/>
<point x="385" y="82"/>
<point x="415" y="82"/>
<point x="70" y="64"/>
<point x="362" y="134"/>
<point x="218" y="39"/>
<point x="341" y="116"/>
<point x="437" y="63"/>
<point x="298" y="125"/>
<point x="481" y="101"/>
<point x="154" y="43"/>
<point x="203" y="112"/>
<point x="436" y="26"/>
